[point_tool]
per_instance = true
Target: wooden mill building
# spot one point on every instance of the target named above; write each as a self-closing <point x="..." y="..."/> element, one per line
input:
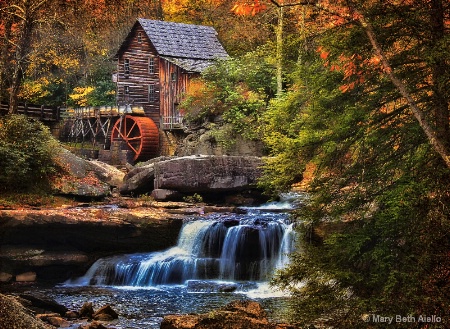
<point x="156" y="63"/>
<point x="155" y="66"/>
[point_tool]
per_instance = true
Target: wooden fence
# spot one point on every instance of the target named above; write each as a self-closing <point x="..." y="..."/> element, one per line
<point x="41" y="112"/>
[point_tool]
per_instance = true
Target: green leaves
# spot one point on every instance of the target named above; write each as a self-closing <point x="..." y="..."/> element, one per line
<point x="26" y="153"/>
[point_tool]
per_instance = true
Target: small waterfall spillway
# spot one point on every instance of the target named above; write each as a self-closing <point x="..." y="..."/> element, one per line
<point x="228" y="247"/>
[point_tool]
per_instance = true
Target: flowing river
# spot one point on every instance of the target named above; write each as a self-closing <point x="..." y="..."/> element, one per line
<point x="218" y="258"/>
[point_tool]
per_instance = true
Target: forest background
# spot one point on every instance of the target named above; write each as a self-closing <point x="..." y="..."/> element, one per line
<point x="353" y="94"/>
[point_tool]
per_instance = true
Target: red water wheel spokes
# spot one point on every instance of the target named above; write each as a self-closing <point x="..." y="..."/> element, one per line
<point x="139" y="133"/>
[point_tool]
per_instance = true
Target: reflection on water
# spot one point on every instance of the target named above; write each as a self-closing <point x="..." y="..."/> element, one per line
<point x="142" y="308"/>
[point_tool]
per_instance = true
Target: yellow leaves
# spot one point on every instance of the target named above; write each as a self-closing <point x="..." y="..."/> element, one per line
<point x="80" y="95"/>
<point x="35" y="90"/>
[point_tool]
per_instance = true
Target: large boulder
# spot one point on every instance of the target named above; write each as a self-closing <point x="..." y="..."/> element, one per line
<point x="14" y="315"/>
<point x="208" y="173"/>
<point x="83" y="178"/>
<point x="140" y="179"/>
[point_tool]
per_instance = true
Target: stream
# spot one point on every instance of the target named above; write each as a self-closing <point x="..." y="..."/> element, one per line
<point x="218" y="258"/>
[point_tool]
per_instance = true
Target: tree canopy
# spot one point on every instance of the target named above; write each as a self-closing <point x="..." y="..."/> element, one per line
<point x="367" y="113"/>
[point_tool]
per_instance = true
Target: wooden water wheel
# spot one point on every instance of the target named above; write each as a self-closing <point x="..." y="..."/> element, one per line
<point x="139" y="133"/>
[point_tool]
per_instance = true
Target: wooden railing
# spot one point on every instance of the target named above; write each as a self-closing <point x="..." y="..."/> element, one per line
<point x="41" y="112"/>
<point x="170" y="123"/>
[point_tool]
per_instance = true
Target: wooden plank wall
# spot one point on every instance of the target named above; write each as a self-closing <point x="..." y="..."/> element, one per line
<point x="139" y="79"/>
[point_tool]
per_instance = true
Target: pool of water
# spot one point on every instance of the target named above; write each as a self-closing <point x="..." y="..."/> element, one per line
<point x="142" y="308"/>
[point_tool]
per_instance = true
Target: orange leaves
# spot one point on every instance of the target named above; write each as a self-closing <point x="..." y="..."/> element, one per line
<point x="249" y="8"/>
<point x="354" y="68"/>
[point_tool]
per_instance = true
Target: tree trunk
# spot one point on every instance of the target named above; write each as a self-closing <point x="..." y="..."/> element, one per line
<point x="439" y="69"/>
<point x="438" y="142"/>
<point x="4" y="59"/>
<point x="279" y="59"/>
<point x="23" y="48"/>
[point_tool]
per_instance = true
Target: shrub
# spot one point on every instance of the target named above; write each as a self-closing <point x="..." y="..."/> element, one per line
<point x="27" y="150"/>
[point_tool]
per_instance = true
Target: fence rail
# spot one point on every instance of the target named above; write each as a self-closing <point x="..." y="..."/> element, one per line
<point x="172" y="122"/>
<point x="41" y="112"/>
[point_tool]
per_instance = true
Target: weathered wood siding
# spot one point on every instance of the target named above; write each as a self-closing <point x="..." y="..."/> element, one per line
<point x="139" y="78"/>
<point x="169" y="82"/>
<point x="174" y="82"/>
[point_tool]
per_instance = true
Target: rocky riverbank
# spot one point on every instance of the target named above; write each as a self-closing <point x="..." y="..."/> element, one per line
<point x="34" y="311"/>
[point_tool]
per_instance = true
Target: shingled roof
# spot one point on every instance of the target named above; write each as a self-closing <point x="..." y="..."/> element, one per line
<point x="192" y="47"/>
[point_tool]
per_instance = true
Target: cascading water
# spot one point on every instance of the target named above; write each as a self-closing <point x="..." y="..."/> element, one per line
<point x="231" y="247"/>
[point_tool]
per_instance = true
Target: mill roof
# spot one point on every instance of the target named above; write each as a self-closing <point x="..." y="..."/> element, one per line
<point x="192" y="47"/>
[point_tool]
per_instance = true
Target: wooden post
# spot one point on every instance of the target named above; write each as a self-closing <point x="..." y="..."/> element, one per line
<point x="42" y="112"/>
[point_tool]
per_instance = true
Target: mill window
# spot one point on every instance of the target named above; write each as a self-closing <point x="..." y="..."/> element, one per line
<point x="151" y="93"/>
<point x="151" y="65"/>
<point x="126" y="66"/>
<point x="139" y="37"/>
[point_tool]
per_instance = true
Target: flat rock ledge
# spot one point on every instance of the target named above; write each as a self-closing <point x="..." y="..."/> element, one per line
<point x="235" y="315"/>
<point x="54" y="244"/>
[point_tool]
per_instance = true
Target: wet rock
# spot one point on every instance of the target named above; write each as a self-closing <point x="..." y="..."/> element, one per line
<point x="44" y="304"/>
<point x="236" y="315"/>
<point x="57" y="321"/>
<point x="208" y="286"/>
<point x="230" y="222"/>
<point x="87" y="310"/>
<point x="105" y="313"/>
<point x="94" y="325"/>
<point x="247" y="308"/>
<point x="216" y="209"/>
<point x="72" y="315"/>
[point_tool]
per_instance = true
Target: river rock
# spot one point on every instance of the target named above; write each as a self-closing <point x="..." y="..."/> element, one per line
<point x="43" y="304"/>
<point x="87" y="310"/>
<point x="94" y="325"/>
<point x="56" y="321"/>
<point x="14" y="315"/>
<point x="105" y="313"/>
<point x="208" y="173"/>
<point x="235" y="315"/>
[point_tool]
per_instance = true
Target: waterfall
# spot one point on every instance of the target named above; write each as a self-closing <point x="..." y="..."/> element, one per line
<point x="229" y="247"/>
